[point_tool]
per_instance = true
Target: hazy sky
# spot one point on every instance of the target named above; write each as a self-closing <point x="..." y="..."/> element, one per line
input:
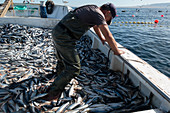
<point x="100" y="2"/>
<point x="116" y="2"/>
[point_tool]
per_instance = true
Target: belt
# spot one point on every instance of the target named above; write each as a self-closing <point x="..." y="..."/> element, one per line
<point x="67" y="30"/>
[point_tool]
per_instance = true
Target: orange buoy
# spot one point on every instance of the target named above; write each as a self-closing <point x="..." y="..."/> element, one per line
<point x="162" y="15"/>
<point x="156" y="21"/>
<point x="116" y="15"/>
<point x="133" y="15"/>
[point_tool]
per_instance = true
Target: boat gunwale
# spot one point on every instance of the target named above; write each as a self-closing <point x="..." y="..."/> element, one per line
<point x="163" y="94"/>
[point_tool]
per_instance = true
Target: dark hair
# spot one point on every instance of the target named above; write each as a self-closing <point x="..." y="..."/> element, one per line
<point x="109" y="7"/>
<point x="49" y="6"/>
<point x="105" y="7"/>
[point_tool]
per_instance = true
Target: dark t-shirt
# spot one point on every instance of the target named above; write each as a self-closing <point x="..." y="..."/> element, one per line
<point x="91" y="15"/>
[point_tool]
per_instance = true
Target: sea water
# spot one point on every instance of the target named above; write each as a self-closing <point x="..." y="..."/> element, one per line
<point x="149" y="42"/>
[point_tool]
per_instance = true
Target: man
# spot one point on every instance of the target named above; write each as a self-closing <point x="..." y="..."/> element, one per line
<point x="68" y="31"/>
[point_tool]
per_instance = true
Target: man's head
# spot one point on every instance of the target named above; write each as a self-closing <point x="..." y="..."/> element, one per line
<point x="109" y="12"/>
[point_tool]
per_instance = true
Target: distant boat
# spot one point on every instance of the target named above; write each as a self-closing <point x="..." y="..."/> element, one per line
<point x="159" y="11"/>
<point x="65" y="1"/>
<point x="137" y="10"/>
<point x="123" y="11"/>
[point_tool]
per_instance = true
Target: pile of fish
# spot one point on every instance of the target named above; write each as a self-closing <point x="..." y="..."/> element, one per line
<point x="27" y="56"/>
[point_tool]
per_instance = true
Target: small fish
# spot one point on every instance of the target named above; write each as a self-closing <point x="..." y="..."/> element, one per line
<point x="55" y="108"/>
<point x="72" y="111"/>
<point x="38" y="96"/>
<point x="3" y="92"/>
<point x="21" y="103"/>
<point x="5" y="107"/>
<point x="3" y="85"/>
<point x="116" y="105"/>
<point x="63" y="107"/>
<point x="101" y="109"/>
<point x="83" y="107"/>
<point x="71" y="91"/>
<point x="103" y="93"/>
<point x="6" y="97"/>
<point x="98" y="105"/>
<point x="12" y="104"/>
<point x="72" y="106"/>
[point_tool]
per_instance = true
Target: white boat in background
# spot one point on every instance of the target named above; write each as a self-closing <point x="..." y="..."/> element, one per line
<point x="33" y="10"/>
<point x="149" y="80"/>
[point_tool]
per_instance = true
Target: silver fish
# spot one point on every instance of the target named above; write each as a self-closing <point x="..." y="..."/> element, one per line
<point x="62" y="108"/>
<point x="38" y="96"/>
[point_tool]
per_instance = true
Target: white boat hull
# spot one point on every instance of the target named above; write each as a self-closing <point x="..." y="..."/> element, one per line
<point x="149" y="80"/>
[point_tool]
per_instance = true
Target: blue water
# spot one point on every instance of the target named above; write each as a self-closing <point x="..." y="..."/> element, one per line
<point x="150" y="43"/>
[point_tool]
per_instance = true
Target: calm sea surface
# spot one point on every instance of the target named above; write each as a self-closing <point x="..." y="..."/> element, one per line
<point x="150" y="43"/>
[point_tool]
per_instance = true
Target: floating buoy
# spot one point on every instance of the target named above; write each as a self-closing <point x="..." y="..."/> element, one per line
<point x="137" y="23"/>
<point x="133" y="15"/>
<point x="162" y="15"/>
<point x="156" y="21"/>
<point x="116" y="15"/>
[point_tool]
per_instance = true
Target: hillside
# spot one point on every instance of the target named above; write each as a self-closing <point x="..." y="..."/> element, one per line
<point x="163" y="5"/>
<point x="156" y="5"/>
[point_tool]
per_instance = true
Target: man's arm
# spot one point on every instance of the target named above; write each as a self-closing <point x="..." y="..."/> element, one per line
<point x="98" y="32"/>
<point x="110" y="39"/>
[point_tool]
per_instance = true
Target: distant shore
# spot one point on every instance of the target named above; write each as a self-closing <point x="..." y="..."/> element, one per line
<point x="143" y="7"/>
<point x="159" y="5"/>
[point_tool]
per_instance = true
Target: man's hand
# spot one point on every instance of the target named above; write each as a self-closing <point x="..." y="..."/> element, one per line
<point x="107" y="37"/>
<point x="119" y="52"/>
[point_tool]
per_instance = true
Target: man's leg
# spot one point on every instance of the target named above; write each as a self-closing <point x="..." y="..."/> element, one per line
<point x="60" y="66"/>
<point x="71" y="61"/>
